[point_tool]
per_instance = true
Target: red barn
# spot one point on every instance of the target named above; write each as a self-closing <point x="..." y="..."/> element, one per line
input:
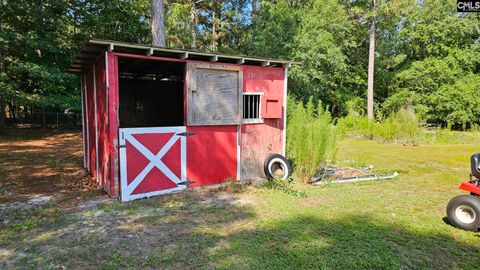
<point x="159" y="120"/>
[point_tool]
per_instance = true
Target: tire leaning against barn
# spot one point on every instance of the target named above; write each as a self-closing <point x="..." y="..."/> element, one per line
<point x="275" y="163"/>
<point x="463" y="212"/>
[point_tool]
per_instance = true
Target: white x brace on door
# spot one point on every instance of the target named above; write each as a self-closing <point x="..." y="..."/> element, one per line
<point x="152" y="161"/>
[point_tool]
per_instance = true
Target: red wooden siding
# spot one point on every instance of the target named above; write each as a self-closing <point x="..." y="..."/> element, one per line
<point x="103" y="150"/>
<point x="260" y="140"/>
<point x="113" y="126"/>
<point x="98" y="124"/>
<point x="211" y="154"/>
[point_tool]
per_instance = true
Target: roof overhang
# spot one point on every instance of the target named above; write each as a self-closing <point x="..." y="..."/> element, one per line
<point x="93" y="48"/>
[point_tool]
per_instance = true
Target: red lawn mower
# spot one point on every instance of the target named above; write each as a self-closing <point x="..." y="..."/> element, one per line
<point x="463" y="211"/>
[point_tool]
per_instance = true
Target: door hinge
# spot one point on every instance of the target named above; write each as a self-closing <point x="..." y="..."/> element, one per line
<point x="186" y="183"/>
<point x="120" y="146"/>
<point x="186" y="134"/>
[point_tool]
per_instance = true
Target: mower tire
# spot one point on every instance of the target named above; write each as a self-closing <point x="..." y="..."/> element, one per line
<point x="463" y="212"/>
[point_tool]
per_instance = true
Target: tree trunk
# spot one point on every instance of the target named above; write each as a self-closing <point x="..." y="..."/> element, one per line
<point x="371" y="66"/>
<point x="3" y="126"/>
<point x="158" y="23"/>
<point x="13" y="111"/>
<point x="193" y="23"/>
<point x="44" y="117"/>
<point x="214" y="30"/>
<point x="254" y="8"/>
<point x="74" y="21"/>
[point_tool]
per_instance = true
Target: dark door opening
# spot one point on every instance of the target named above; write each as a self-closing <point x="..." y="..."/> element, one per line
<point x="150" y="93"/>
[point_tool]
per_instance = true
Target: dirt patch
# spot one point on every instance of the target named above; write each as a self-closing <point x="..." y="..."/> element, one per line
<point x="333" y="173"/>
<point x="311" y="201"/>
<point x="346" y="172"/>
<point x="37" y="200"/>
<point x="41" y="163"/>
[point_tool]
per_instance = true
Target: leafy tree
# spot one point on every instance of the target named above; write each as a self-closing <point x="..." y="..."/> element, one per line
<point x="457" y="104"/>
<point x="321" y="44"/>
<point x="178" y="27"/>
<point x="122" y="20"/>
<point x="36" y="51"/>
<point x="438" y="57"/>
<point x="275" y="27"/>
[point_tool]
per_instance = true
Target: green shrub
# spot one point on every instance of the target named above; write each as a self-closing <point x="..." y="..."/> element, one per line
<point x="311" y="137"/>
<point x="356" y="125"/>
<point x="408" y="126"/>
<point x="402" y="126"/>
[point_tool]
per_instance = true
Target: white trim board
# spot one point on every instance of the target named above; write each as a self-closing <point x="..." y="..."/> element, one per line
<point x="284" y="132"/>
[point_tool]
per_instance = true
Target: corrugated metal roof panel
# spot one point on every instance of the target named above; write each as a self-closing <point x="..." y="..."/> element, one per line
<point x="95" y="47"/>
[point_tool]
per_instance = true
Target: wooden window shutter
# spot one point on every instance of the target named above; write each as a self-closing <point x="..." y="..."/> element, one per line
<point x="214" y="93"/>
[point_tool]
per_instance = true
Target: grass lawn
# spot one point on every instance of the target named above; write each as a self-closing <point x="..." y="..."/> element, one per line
<point x="388" y="224"/>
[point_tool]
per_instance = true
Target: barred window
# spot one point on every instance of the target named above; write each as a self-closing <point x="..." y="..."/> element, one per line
<point x="251" y="107"/>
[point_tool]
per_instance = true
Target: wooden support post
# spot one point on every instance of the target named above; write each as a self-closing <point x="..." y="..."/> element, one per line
<point x="87" y="131"/>
<point x="83" y="123"/>
<point x="96" y="122"/>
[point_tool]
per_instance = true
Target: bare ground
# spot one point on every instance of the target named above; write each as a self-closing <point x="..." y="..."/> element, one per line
<point x="37" y="163"/>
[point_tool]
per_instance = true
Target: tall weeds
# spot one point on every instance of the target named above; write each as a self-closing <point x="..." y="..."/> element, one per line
<point x="402" y="126"/>
<point x="311" y="138"/>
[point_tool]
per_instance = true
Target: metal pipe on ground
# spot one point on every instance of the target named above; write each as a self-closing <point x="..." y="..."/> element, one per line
<point x="358" y="179"/>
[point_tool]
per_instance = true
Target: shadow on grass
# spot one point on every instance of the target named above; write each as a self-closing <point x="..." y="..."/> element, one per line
<point x="207" y="230"/>
<point x="354" y="242"/>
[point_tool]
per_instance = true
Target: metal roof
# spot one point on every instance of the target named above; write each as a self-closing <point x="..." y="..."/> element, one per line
<point x="93" y="48"/>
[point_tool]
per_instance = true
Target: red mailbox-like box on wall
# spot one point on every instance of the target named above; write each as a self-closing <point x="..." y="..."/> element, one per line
<point x="272" y="107"/>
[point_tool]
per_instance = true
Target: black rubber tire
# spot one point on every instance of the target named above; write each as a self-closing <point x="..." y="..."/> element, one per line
<point x="472" y="203"/>
<point x="277" y="159"/>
